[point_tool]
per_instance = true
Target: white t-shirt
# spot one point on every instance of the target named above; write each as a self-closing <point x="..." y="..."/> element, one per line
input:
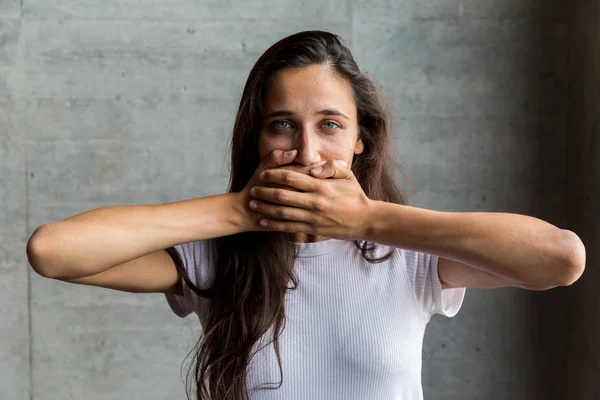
<point x="353" y="330"/>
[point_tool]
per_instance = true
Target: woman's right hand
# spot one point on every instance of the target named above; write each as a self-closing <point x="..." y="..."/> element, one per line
<point x="275" y="159"/>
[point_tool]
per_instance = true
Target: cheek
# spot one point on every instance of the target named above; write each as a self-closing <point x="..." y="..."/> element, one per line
<point x="267" y="144"/>
<point x="339" y="149"/>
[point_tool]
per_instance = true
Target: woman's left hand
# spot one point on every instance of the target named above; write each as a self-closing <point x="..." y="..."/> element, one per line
<point x="335" y="208"/>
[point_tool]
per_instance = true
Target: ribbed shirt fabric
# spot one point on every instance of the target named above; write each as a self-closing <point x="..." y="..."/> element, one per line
<point x="353" y="331"/>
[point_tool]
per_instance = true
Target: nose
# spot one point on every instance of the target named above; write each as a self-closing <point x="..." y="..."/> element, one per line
<point x="307" y="144"/>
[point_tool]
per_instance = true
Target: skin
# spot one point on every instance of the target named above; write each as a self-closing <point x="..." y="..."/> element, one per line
<point x="476" y="249"/>
<point x="318" y="138"/>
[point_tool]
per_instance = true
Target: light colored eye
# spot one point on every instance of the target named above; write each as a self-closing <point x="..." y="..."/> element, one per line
<point x="276" y="124"/>
<point x="332" y="125"/>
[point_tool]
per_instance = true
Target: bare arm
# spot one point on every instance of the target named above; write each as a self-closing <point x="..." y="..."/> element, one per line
<point x="92" y="242"/>
<point x="130" y="248"/>
<point x="522" y="251"/>
<point x="151" y="273"/>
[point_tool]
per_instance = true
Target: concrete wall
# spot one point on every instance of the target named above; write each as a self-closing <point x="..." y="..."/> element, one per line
<point x="583" y="156"/>
<point x="106" y="103"/>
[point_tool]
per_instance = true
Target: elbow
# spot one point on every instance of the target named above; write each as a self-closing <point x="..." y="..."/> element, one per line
<point x="573" y="273"/>
<point x="35" y="260"/>
<point x="573" y="256"/>
<point x="35" y="252"/>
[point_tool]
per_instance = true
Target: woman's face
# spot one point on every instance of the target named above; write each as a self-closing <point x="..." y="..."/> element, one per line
<point x="310" y="109"/>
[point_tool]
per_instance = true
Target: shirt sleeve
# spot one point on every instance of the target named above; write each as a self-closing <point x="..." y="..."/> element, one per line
<point x="422" y="270"/>
<point x="194" y="257"/>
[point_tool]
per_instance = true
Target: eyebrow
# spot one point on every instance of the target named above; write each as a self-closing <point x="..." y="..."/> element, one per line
<point x="287" y="113"/>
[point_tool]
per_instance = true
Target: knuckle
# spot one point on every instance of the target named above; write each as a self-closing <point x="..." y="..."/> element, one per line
<point x="315" y="229"/>
<point x="320" y="205"/>
<point x="280" y="196"/>
<point x="288" y="177"/>
<point x="282" y="213"/>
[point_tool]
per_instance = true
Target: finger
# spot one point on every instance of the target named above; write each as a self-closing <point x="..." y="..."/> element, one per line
<point x="278" y="158"/>
<point x="280" y="212"/>
<point x="285" y="226"/>
<point x="303" y="169"/>
<point x="283" y="177"/>
<point x="337" y="169"/>
<point x="283" y="197"/>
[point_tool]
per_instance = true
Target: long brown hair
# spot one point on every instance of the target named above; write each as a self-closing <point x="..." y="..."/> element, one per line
<point x="253" y="269"/>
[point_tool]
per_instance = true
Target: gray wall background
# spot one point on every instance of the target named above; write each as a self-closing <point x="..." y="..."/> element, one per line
<point x="132" y="102"/>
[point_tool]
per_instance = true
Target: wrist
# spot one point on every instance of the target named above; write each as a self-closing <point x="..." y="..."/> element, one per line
<point x="369" y="232"/>
<point x="240" y="212"/>
<point x="406" y="226"/>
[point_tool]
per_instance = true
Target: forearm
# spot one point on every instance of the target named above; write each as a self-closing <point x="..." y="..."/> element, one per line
<point x="518" y="247"/>
<point x="96" y="240"/>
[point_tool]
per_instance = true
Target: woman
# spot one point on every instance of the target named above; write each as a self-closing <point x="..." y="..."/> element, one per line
<point x="312" y="277"/>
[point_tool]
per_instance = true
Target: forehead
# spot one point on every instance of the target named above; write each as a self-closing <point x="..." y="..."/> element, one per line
<point x="308" y="89"/>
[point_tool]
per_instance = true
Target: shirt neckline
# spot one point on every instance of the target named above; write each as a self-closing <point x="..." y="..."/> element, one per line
<point x="319" y="248"/>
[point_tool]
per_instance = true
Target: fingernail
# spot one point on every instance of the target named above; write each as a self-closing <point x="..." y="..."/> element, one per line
<point x="317" y="170"/>
<point x="253" y="191"/>
<point x="289" y="153"/>
<point x="253" y="204"/>
<point x="344" y="163"/>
